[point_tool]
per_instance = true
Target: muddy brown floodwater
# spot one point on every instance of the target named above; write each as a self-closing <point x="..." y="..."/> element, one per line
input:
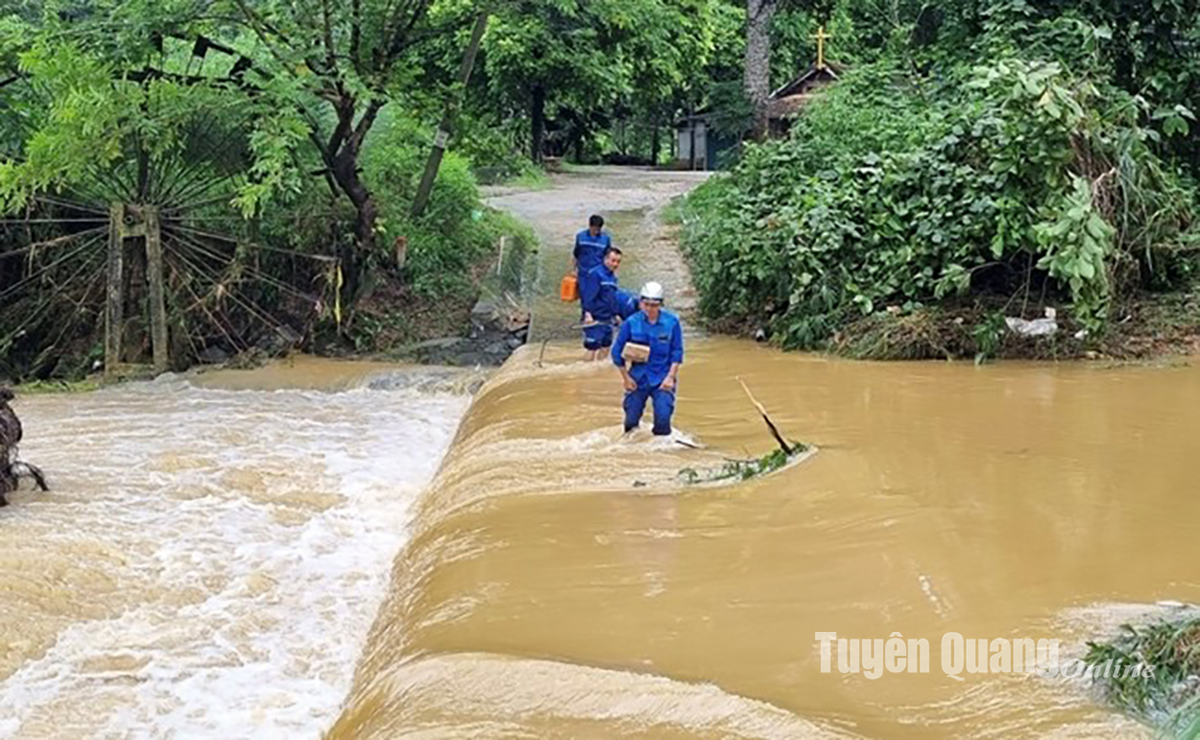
<point x="350" y="550"/>
<point x="213" y="551"/>
<point x="563" y="583"/>
<point x="546" y="594"/>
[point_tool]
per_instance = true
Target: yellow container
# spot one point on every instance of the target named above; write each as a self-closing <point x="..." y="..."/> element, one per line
<point x="569" y="289"/>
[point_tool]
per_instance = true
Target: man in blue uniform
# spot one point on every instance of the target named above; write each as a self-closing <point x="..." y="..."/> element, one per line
<point x="627" y="304"/>
<point x="656" y="378"/>
<point x="598" y="293"/>
<point x="590" y="245"/>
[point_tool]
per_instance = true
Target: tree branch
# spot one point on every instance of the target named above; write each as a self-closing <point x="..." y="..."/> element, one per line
<point x="396" y="38"/>
<point x="367" y="120"/>
<point x="356" y="35"/>
<point x="260" y="31"/>
<point x="343" y="129"/>
<point x="330" y="51"/>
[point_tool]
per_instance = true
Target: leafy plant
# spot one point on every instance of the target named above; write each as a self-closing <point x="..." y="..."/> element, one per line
<point x="733" y="470"/>
<point x="981" y="183"/>
<point x="988" y="335"/>
<point x="1167" y="694"/>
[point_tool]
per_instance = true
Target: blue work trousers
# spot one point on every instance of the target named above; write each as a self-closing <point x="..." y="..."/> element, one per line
<point x="664" y="407"/>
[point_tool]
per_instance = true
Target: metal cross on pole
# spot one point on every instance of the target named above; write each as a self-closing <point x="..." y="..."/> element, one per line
<point x="821" y="38"/>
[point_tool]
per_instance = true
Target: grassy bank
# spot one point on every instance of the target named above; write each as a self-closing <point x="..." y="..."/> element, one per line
<point x="1148" y="326"/>
<point x="1166" y="696"/>
<point x="392" y="313"/>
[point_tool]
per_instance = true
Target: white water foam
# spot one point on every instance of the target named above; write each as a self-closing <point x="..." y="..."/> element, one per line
<point x="256" y="532"/>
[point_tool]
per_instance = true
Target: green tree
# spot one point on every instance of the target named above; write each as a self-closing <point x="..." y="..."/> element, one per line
<point x="674" y="44"/>
<point x="548" y="54"/>
<point x="339" y="63"/>
<point x="759" y="19"/>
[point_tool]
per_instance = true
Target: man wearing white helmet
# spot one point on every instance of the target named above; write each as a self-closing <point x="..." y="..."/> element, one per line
<point x="650" y="375"/>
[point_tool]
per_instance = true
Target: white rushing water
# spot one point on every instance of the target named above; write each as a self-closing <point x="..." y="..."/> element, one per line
<point x="215" y="558"/>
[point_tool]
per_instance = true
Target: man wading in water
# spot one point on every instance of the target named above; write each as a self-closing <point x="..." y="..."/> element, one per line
<point x="653" y="340"/>
<point x="590" y="245"/>
<point x="598" y="293"/>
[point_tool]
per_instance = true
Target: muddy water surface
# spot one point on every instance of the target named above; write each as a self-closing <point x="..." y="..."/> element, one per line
<point x="211" y="558"/>
<point x="219" y="556"/>
<point x="562" y="583"/>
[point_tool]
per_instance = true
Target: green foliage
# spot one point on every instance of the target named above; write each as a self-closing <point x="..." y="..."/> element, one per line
<point x="735" y="470"/>
<point x="1168" y="695"/>
<point x="453" y="234"/>
<point x="988" y="335"/>
<point x="974" y="184"/>
<point x="581" y="66"/>
<point x="530" y="177"/>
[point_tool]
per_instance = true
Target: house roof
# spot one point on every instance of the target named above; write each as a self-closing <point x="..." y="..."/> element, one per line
<point x="828" y="73"/>
<point x="787" y="101"/>
<point x="788" y="107"/>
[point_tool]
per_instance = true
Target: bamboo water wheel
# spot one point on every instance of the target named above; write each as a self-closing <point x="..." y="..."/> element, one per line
<point x="151" y="255"/>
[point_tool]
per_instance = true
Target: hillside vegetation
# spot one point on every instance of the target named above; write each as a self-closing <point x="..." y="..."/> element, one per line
<point x="990" y="164"/>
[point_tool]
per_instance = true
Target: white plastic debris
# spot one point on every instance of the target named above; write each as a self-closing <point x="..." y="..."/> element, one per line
<point x="1037" y="328"/>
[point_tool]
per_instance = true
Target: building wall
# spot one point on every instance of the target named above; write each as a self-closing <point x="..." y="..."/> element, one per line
<point x="684" y="135"/>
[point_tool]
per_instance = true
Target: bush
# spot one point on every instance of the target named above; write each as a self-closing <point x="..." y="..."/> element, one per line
<point x="995" y="181"/>
<point x="453" y="233"/>
<point x="1169" y="696"/>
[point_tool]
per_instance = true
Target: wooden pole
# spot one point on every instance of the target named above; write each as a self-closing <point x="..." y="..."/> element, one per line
<point x="158" y="294"/>
<point x="446" y="129"/>
<point x="787" y="449"/>
<point x="114" y="311"/>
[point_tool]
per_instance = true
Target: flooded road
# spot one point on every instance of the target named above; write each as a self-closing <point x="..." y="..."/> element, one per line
<point x="563" y="584"/>
<point x="630" y="200"/>
<point x="209" y="560"/>
<point x="303" y="551"/>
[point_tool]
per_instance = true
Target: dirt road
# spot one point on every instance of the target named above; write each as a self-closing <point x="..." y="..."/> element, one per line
<point x="630" y="199"/>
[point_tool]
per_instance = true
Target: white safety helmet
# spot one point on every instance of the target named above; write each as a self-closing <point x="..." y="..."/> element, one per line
<point x="652" y="291"/>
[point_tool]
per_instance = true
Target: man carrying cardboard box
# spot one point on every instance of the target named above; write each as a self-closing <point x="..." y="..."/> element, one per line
<point x="648" y="352"/>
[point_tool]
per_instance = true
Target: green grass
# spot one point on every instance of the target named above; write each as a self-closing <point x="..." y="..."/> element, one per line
<point x="1185" y="723"/>
<point x="672" y="213"/>
<point x="59" y="386"/>
<point x="532" y="178"/>
<point x="1169" y="697"/>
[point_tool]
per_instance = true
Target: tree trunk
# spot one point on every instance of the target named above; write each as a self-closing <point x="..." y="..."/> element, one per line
<point x="446" y="130"/>
<point x="758" y="63"/>
<point x="345" y="171"/>
<point x="345" y="145"/>
<point x="537" y="124"/>
<point x="655" y="145"/>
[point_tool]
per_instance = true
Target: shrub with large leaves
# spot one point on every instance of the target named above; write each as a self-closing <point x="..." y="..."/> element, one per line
<point x="895" y="194"/>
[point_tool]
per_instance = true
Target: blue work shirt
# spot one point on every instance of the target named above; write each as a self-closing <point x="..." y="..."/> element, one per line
<point x="598" y="293"/>
<point x="665" y="339"/>
<point x="627" y="304"/>
<point x="589" y="250"/>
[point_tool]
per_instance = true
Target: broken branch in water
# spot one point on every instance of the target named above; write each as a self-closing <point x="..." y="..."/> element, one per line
<point x="787" y="449"/>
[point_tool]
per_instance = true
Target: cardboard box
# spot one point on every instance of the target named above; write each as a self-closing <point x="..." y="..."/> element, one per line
<point x="635" y="352"/>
